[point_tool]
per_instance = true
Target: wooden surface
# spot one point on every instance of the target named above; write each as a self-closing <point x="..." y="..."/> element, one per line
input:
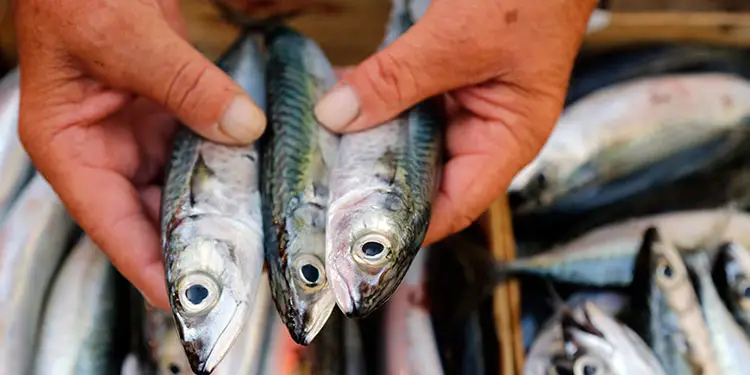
<point x="506" y="297"/>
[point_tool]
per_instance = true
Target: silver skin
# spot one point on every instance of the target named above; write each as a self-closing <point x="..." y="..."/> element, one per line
<point x="77" y="331"/>
<point x="605" y="256"/>
<point x="33" y="242"/>
<point x="549" y="341"/>
<point x="665" y="310"/>
<point x="731" y="344"/>
<point x="297" y="155"/>
<point x="166" y="354"/>
<point x="246" y="355"/>
<point x="731" y="274"/>
<point x="15" y="165"/>
<point x="211" y="228"/>
<point x="381" y="194"/>
<point x="596" y="343"/>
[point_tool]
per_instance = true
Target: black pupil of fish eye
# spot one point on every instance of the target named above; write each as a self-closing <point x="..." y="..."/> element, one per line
<point x="174" y="369"/>
<point x="372" y="249"/>
<point x="310" y="273"/>
<point x="589" y="370"/>
<point x="746" y="292"/>
<point x="667" y="271"/>
<point x="196" y="294"/>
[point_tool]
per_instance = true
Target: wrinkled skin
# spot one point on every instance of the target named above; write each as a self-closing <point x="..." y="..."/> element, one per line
<point x="98" y="129"/>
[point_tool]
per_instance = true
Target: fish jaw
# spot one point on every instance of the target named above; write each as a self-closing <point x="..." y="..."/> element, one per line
<point x="363" y="281"/>
<point x="210" y="286"/>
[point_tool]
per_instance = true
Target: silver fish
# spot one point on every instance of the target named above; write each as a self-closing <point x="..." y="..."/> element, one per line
<point x="212" y="233"/>
<point x="245" y="356"/>
<point x="731" y="344"/>
<point x="15" y="166"/>
<point x="595" y="343"/>
<point x="33" y="242"/>
<point x="606" y="256"/>
<point x="297" y="156"/>
<point x="549" y="342"/>
<point x="78" y="328"/>
<point x="381" y="194"/>
<point x="664" y="309"/>
<point x="410" y="344"/>
<point x="166" y="355"/>
<point x="624" y="127"/>
<point x="731" y="274"/>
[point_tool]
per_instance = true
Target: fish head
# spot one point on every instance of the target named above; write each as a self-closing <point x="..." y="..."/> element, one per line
<point x="303" y="297"/>
<point x="661" y="271"/>
<point x="370" y="245"/>
<point x="585" y="349"/>
<point x="164" y="343"/>
<point x="210" y="301"/>
<point x="731" y="274"/>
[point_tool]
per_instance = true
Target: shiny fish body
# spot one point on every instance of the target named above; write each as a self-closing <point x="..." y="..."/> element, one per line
<point x="245" y="356"/>
<point x="605" y="256"/>
<point x="731" y="344"/>
<point x="621" y="128"/>
<point x="297" y="156"/>
<point x="549" y="342"/>
<point x="665" y="311"/>
<point x="211" y="227"/>
<point x="15" y="166"/>
<point x="166" y="354"/>
<point x="77" y="331"/>
<point x="731" y="275"/>
<point x="595" y="343"/>
<point x="411" y="347"/>
<point x="33" y="242"/>
<point x="381" y="194"/>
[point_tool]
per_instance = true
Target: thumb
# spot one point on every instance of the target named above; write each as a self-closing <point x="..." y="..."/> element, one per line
<point x="155" y="62"/>
<point x="423" y="62"/>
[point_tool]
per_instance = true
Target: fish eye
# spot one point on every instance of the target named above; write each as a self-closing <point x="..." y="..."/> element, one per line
<point x="372" y="249"/>
<point x="174" y="369"/>
<point x="587" y="366"/>
<point x="310" y="271"/>
<point x="665" y="273"/>
<point x="197" y="293"/>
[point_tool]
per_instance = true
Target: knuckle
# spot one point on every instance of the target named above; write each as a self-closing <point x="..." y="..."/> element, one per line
<point x="389" y="80"/>
<point x="183" y="88"/>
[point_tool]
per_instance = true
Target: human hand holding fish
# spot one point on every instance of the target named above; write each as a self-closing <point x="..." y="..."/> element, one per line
<point x="103" y="81"/>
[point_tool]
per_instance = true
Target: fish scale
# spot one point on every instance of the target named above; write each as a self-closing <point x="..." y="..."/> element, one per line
<point x="211" y="226"/>
<point x="297" y="154"/>
<point x="382" y="191"/>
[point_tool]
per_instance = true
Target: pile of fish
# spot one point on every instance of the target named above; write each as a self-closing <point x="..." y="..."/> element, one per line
<point x="300" y="253"/>
<point x="635" y="210"/>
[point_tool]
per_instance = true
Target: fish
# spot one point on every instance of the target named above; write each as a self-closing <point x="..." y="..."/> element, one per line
<point x="606" y="255"/>
<point x="245" y="356"/>
<point x="665" y="311"/>
<point x="410" y="344"/>
<point x="731" y="276"/>
<point x="382" y="189"/>
<point x="628" y="126"/>
<point x="15" y="166"/>
<point x="595" y="343"/>
<point x="297" y="154"/>
<point x="33" y="242"/>
<point x="730" y="342"/>
<point x="211" y="226"/>
<point x="77" y="334"/>
<point x="166" y="356"/>
<point x="549" y="341"/>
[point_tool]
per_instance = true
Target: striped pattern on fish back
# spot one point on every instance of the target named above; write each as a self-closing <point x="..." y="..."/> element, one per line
<point x="179" y="173"/>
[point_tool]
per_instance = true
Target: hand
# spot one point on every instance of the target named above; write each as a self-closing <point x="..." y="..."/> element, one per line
<point x="99" y="82"/>
<point x="504" y="68"/>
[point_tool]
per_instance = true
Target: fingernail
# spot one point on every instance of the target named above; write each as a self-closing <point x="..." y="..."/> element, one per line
<point x="242" y="121"/>
<point x="338" y="108"/>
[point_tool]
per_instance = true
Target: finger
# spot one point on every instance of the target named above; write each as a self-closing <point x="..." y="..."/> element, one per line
<point x="139" y="51"/>
<point x="426" y="60"/>
<point x="112" y="213"/>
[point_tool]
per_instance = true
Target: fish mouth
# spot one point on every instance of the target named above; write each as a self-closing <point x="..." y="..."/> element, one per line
<point x="345" y="300"/>
<point x="205" y="365"/>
